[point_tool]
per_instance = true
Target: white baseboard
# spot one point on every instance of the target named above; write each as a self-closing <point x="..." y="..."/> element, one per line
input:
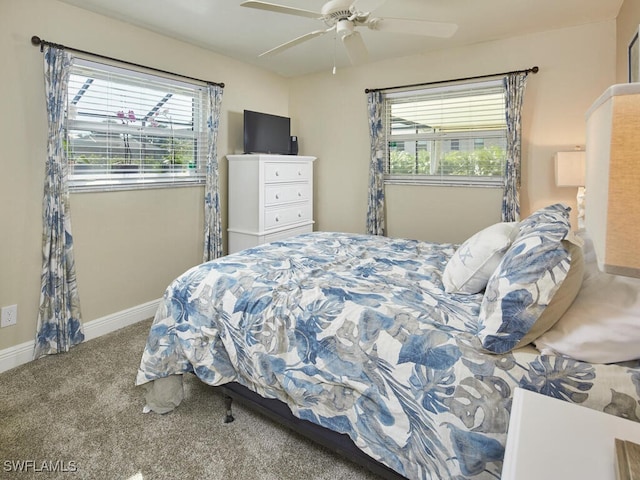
<point x="124" y="318"/>
<point x="17" y="355"/>
<point x="20" y="354"/>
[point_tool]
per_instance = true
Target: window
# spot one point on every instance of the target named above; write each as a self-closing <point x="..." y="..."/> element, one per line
<point x="453" y="134"/>
<point x="127" y="129"/>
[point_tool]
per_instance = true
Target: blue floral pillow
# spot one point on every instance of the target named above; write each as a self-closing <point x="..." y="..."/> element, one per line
<point x="526" y="280"/>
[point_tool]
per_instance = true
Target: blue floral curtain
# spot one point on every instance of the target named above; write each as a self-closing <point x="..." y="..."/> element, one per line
<point x="59" y="321"/>
<point x="514" y="91"/>
<point x="212" y="214"/>
<point x="375" y="211"/>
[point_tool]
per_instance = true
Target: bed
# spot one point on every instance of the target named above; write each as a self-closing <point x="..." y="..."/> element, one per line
<point x="403" y="351"/>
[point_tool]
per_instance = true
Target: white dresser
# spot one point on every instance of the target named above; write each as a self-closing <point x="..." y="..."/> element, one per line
<point x="270" y="198"/>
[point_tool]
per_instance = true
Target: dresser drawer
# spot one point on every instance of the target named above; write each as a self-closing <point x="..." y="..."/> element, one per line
<point x="287" y="172"/>
<point x="289" y="232"/>
<point x="275" y="194"/>
<point x="278" y="217"/>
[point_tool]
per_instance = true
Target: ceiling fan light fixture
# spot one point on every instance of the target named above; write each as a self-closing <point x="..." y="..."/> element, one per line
<point x="344" y="28"/>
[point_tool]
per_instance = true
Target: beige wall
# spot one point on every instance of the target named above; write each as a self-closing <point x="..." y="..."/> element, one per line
<point x="129" y="245"/>
<point x="627" y="23"/>
<point x="576" y="64"/>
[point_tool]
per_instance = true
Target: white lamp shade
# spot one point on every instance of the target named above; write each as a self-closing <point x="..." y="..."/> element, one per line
<point x="612" y="215"/>
<point x="570" y="169"/>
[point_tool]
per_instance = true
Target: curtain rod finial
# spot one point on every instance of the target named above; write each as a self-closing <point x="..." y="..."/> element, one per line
<point x="35" y="40"/>
<point x="535" y="69"/>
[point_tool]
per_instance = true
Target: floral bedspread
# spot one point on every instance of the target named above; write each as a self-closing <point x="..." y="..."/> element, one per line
<point x="356" y="333"/>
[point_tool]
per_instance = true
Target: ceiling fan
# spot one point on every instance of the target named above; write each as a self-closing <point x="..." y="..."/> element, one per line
<point x="343" y="17"/>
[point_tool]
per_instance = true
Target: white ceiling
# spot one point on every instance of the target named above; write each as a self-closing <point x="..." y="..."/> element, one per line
<point x="225" y="27"/>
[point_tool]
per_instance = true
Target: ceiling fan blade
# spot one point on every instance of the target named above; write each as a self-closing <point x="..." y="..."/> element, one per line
<point x="295" y="41"/>
<point x="272" y="7"/>
<point x="356" y="49"/>
<point x="413" y="27"/>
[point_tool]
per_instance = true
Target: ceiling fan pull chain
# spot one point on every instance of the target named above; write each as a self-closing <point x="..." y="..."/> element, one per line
<point x="335" y="42"/>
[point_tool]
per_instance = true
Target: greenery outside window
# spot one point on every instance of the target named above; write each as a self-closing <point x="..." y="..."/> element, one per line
<point x="452" y="135"/>
<point x="128" y="130"/>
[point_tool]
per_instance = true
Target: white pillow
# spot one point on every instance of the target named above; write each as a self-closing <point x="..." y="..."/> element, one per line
<point x="470" y="267"/>
<point x="603" y="323"/>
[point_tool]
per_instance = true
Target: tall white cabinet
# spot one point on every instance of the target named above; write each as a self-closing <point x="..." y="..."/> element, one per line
<point x="270" y="198"/>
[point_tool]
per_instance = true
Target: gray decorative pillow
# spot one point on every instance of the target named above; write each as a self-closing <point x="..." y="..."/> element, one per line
<point x="526" y="280"/>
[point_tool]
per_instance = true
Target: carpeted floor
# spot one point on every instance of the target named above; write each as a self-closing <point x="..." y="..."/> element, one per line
<point x="79" y="416"/>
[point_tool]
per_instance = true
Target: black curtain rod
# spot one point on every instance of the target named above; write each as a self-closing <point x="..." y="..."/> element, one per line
<point x="38" y="41"/>
<point x="528" y="70"/>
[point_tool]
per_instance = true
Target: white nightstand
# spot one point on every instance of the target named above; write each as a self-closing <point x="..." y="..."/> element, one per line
<point x="553" y="439"/>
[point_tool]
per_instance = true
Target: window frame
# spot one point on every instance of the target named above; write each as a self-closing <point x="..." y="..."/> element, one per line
<point x="438" y="179"/>
<point x="190" y="174"/>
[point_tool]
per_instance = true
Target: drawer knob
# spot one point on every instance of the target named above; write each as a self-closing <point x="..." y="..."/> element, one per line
<point x="277" y="196"/>
<point x="299" y="173"/>
<point x="299" y="214"/>
<point x="299" y="194"/>
<point x="277" y="173"/>
<point x="277" y="219"/>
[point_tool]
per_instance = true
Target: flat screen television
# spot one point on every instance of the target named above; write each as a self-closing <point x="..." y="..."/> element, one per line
<point x="266" y="133"/>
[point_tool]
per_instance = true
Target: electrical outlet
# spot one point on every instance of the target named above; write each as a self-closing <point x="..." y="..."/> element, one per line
<point x="9" y="316"/>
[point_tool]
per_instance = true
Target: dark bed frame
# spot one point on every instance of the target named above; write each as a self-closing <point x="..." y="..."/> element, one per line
<point x="280" y="413"/>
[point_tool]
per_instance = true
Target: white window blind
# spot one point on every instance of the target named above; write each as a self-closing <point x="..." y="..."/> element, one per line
<point x="127" y="129"/>
<point x="453" y="134"/>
